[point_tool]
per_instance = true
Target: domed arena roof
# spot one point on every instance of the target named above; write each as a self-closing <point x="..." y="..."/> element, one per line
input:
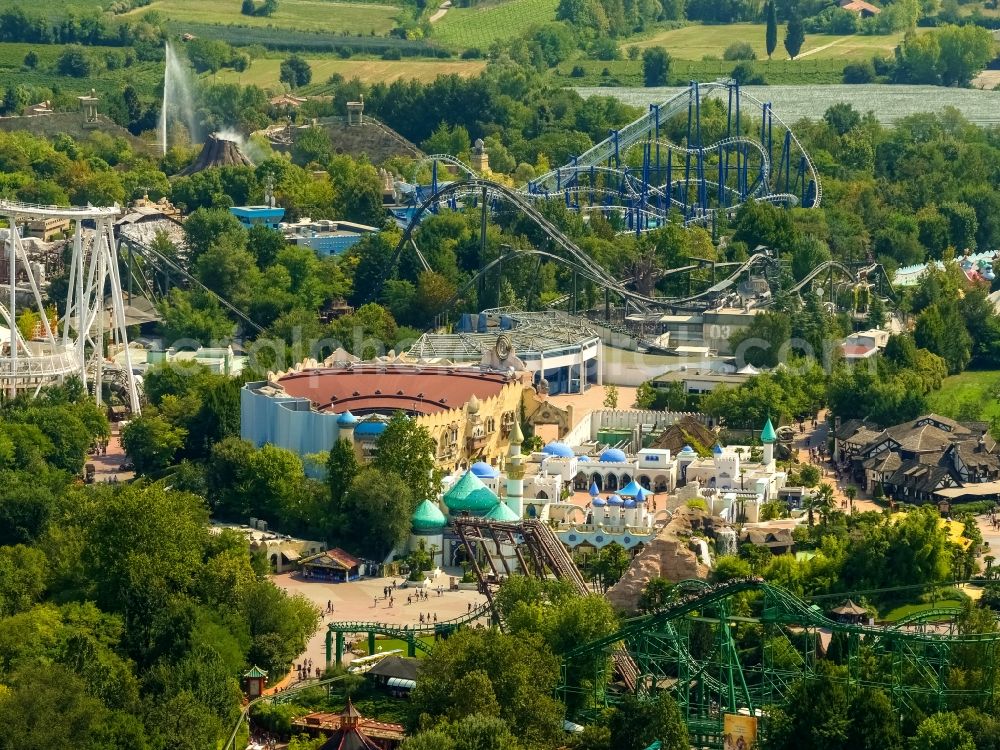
<point x="428" y="517"/>
<point x="470" y="494"/>
<point x="560" y="450"/>
<point x="502" y="512"/>
<point x="613" y="456"/>
<point x="483" y="470"/>
<point x="615" y="500"/>
<point x="347" y="420"/>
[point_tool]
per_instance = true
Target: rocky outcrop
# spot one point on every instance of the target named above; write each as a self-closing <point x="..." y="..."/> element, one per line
<point x="670" y="555"/>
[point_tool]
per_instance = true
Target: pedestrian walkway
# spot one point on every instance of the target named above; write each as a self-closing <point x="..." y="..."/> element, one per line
<point x="374" y="599"/>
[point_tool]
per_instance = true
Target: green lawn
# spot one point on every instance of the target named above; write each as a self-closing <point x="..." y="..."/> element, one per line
<point x="480" y="26"/>
<point x="306" y="15"/>
<point x="971" y="388"/>
<point x="906" y="610"/>
<point x="696" y="41"/>
<point x="391" y="644"/>
<point x="264" y="72"/>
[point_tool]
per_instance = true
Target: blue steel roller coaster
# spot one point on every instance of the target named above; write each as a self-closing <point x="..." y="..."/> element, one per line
<point x="742" y="152"/>
<point x="640" y="174"/>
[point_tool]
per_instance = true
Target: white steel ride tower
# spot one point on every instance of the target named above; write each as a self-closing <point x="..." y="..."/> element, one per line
<point x="31" y="364"/>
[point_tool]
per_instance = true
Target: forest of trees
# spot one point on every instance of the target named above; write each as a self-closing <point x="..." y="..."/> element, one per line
<point x="123" y="621"/>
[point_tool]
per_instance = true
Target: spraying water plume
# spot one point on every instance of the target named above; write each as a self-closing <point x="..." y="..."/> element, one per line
<point x="178" y="102"/>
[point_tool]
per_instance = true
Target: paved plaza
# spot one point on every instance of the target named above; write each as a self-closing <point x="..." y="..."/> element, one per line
<point x="356" y="601"/>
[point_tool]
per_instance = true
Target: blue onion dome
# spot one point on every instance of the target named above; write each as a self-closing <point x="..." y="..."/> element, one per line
<point x="346" y="420"/>
<point x="687" y="450"/>
<point x="717" y="449"/>
<point x="484" y="471"/>
<point x="629" y="503"/>
<point x="599" y="502"/>
<point x="557" y="449"/>
<point x="615" y="500"/>
<point x="583" y="459"/>
<point x="614" y="456"/>
<point x="428" y="517"/>
<point x="594" y="492"/>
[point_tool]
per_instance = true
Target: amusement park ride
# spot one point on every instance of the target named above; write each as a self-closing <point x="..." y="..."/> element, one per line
<point x="742" y="152"/>
<point x="93" y="308"/>
<point x="736" y="648"/>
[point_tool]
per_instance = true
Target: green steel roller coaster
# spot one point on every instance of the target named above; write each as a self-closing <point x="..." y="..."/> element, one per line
<point x="740" y="646"/>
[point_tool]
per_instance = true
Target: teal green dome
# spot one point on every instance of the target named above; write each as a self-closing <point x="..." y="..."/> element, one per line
<point x="428" y="517"/>
<point x="502" y="512"/>
<point x="471" y="495"/>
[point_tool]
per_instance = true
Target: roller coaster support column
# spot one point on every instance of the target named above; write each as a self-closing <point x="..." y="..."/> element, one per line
<point x="12" y="308"/>
<point x="411" y="646"/>
<point x="78" y="254"/>
<point x="687" y="161"/>
<point x="655" y="109"/>
<point x="434" y="182"/>
<point x="482" y="235"/>
<point x="371" y="642"/>
<point x="607" y="306"/>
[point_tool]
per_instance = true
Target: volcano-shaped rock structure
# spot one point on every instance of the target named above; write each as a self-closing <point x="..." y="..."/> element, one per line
<point x="218" y="152"/>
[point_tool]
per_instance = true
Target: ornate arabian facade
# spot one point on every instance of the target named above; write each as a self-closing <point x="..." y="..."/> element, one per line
<point x="468" y="411"/>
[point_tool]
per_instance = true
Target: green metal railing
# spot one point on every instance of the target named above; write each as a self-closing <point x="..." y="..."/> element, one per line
<point x="411" y="634"/>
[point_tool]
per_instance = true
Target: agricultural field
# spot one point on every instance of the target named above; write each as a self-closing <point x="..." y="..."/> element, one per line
<point x="480" y="26"/>
<point x="888" y="102"/>
<point x="54" y="8"/>
<point x="629" y="72"/>
<point x="969" y="389"/>
<point x="265" y="72"/>
<point x="307" y="15"/>
<point x="695" y="42"/>
<point x="12" y="55"/>
<point x="146" y="77"/>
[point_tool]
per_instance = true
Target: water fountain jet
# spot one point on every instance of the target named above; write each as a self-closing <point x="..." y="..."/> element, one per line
<point x="178" y="101"/>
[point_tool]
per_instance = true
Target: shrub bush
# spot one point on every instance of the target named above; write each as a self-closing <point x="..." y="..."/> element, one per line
<point x="859" y="72"/>
<point x="739" y="51"/>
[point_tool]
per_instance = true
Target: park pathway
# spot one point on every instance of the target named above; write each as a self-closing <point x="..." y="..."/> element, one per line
<point x="818" y="436"/>
<point x="822" y="47"/>
<point x="439" y="13"/>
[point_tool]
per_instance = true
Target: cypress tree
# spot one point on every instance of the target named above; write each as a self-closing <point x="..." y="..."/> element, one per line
<point x="795" y="36"/>
<point x="771" y="35"/>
